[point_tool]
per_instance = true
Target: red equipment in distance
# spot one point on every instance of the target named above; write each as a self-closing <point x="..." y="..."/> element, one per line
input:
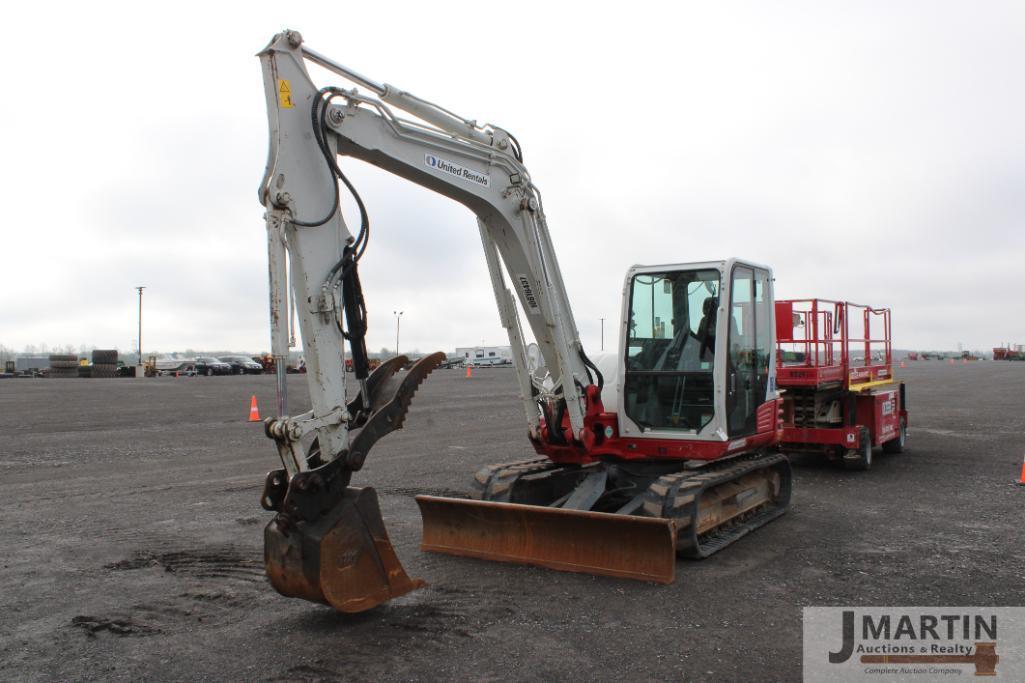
<point x="1009" y="352"/>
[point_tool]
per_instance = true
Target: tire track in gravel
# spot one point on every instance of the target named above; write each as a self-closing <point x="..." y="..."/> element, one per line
<point x="218" y="585"/>
<point x="436" y="618"/>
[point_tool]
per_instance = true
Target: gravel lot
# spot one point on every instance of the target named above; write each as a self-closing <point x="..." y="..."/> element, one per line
<point x="133" y="537"/>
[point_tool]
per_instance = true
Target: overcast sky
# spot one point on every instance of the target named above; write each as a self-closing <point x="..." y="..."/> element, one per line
<point x="871" y="151"/>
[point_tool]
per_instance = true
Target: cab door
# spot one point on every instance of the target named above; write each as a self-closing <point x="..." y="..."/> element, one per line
<point x="749" y="349"/>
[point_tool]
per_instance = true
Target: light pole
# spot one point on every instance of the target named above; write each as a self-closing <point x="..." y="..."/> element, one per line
<point x="398" y="320"/>
<point x="140" y="324"/>
<point x="603" y="334"/>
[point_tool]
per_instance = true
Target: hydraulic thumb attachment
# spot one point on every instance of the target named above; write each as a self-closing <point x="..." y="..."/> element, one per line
<point x="328" y="543"/>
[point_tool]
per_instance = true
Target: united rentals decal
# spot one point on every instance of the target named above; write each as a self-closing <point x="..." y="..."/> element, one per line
<point x="452" y="168"/>
<point x="913" y="643"/>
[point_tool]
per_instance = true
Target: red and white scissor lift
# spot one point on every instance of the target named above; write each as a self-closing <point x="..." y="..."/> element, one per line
<point x="833" y="365"/>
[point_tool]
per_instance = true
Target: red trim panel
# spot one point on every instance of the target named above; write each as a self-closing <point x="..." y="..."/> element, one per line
<point x="597" y="443"/>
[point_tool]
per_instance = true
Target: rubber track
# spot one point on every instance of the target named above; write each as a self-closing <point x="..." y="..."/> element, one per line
<point x="675" y="496"/>
<point x="495" y="482"/>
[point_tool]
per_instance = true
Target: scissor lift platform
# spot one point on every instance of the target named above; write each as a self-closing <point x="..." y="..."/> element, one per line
<point x="834" y="367"/>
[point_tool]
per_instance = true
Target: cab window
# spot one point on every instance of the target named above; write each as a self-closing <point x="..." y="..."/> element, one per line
<point x="670" y="350"/>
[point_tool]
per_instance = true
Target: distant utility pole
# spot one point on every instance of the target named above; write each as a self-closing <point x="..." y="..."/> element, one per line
<point x="140" y="323"/>
<point x="398" y="320"/>
<point x="603" y="334"/>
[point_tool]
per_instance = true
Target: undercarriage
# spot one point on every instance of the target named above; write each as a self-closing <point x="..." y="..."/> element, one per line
<point x="619" y="519"/>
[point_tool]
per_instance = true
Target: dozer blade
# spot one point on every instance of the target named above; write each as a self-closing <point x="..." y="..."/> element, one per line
<point x="600" y="543"/>
<point x="344" y="559"/>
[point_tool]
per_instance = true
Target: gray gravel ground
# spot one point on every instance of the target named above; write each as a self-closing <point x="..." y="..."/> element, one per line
<point x="133" y="534"/>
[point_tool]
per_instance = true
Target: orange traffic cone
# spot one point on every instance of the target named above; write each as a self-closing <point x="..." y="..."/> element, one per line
<point x="469" y="371"/>
<point x="1021" y="480"/>
<point x="254" y="412"/>
<point x="951" y="361"/>
<point x="903" y="364"/>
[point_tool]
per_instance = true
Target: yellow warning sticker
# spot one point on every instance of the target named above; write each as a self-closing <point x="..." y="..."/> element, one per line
<point x="285" y="94"/>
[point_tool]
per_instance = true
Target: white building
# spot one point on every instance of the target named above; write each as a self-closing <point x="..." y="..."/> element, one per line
<point x="485" y="355"/>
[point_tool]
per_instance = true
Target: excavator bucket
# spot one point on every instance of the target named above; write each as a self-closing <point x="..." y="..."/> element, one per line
<point x="328" y="543"/>
<point x="622" y="546"/>
<point x="344" y="559"/>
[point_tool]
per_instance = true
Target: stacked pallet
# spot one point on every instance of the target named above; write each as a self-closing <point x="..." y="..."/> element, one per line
<point x="63" y="365"/>
<point x="104" y="363"/>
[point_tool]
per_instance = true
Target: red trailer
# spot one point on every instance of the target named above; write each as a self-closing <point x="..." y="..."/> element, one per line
<point x="834" y="368"/>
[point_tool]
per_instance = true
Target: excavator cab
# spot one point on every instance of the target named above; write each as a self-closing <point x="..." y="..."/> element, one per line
<point x="699" y="349"/>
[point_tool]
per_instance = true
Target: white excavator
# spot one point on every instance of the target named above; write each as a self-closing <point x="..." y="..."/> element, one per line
<point x="661" y="449"/>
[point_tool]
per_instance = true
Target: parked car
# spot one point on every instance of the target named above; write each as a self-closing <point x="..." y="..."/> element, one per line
<point x="212" y="366"/>
<point x="243" y="365"/>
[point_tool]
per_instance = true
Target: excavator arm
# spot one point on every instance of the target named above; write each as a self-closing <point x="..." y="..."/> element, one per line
<point x="327" y="542"/>
<point x="478" y="166"/>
